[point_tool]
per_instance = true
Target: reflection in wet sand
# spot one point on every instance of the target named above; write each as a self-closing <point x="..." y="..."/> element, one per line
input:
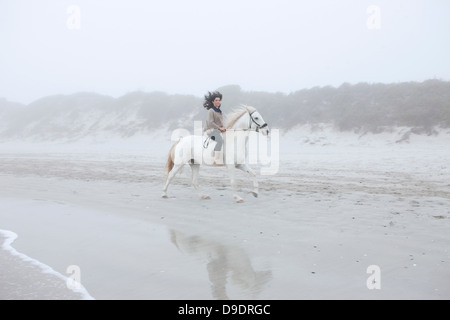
<point x="224" y="263"/>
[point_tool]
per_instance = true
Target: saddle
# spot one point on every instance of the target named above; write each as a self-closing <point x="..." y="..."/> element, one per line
<point x="207" y="141"/>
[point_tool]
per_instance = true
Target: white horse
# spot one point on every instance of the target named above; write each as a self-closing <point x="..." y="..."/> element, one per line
<point x="192" y="150"/>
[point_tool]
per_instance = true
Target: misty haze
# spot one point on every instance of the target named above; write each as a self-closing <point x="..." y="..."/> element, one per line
<point x="423" y="107"/>
<point x="349" y="101"/>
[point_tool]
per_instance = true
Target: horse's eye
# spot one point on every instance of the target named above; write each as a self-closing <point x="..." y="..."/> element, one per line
<point x="256" y="118"/>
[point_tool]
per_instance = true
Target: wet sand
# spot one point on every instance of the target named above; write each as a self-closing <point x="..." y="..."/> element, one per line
<point x="316" y="227"/>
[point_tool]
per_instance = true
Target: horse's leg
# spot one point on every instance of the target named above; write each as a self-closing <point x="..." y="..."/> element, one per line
<point x="195" y="174"/>
<point x="252" y="174"/>
<point x="230" y="168"/>
<point x="171" y="175"/>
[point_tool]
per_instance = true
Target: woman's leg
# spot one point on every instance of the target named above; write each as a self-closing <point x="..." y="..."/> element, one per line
<point x="218" y="138"/>
<point x="218" y="155"/>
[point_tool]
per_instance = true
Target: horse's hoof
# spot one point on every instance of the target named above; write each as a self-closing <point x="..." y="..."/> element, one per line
<point x="240" y="201"/>
<point x="255" y="194"/>
<point x="206" y="197"/>
<point x="164" y="196"/>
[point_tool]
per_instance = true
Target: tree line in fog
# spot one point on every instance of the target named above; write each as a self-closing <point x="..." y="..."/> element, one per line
<point x="359" y="107"/>
<point x="363" y="106"/>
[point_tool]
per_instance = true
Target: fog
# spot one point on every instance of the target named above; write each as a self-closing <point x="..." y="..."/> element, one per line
<point x="353" y="176"/>
<point x="114" y="47"/>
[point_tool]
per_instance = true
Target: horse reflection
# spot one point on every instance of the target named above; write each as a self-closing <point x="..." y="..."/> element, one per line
<point x="223" y="262"/>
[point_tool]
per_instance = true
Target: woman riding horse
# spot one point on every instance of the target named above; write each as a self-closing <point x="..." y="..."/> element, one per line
<point x="214" y="123"/>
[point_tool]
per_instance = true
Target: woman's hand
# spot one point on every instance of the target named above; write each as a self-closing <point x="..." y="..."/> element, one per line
<point x="222" y="129"/>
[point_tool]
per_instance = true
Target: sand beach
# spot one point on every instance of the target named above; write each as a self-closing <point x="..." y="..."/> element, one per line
<point x="320" y="223"/>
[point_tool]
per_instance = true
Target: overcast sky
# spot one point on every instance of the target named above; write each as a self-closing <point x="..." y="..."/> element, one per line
<point x="191" y="46"/>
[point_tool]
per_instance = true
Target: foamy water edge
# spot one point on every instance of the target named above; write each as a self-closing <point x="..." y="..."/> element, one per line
<point x="11" y="237"/>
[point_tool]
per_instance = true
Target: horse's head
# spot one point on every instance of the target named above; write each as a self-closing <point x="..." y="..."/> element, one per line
<point x="258" y="123"/>
<point x="247" y="118"/>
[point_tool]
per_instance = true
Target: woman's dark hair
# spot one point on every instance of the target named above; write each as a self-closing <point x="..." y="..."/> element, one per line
<point x="209" y="99"/>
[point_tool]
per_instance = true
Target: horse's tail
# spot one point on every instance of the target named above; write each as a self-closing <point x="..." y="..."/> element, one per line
<point x="171" y="157"/>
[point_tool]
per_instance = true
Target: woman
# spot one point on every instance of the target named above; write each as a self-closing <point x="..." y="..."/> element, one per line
<point x="214" y="123"/>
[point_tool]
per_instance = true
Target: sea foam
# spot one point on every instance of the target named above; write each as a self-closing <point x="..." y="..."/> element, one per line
<point x="7" y="246"/>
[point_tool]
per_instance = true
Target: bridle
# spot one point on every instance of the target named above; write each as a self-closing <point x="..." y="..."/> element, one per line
<point x="258" y="126"/>
<point x="250" y="124"/>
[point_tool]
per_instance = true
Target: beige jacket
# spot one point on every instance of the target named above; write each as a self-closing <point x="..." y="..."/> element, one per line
<point x="214" y="120"/>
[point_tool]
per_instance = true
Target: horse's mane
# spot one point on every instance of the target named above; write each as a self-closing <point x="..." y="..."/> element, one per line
<point x="237" y="113"/>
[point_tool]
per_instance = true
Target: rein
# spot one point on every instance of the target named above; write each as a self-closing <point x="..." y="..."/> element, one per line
<point x="251" y="120"/>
